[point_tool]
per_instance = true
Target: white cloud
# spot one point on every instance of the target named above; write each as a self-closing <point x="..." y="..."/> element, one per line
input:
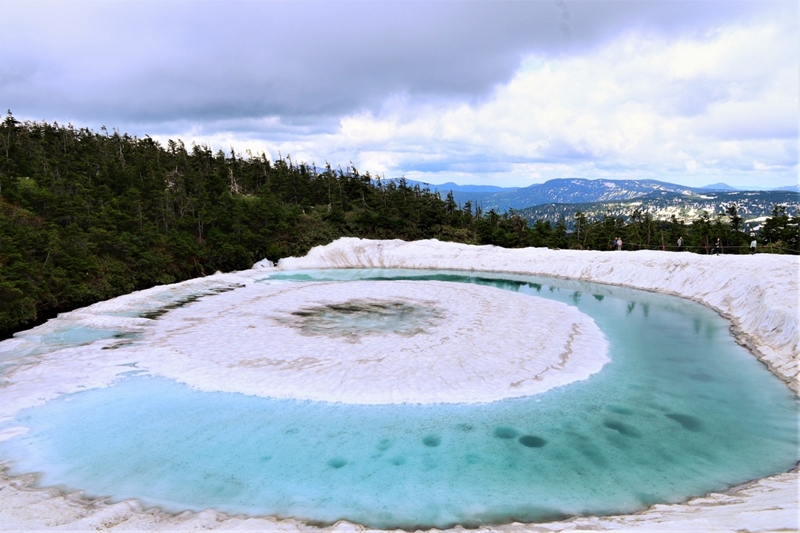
<point x="720" y="106"/>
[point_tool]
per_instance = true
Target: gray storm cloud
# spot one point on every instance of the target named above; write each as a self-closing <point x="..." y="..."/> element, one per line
<point x="151" y="62"/>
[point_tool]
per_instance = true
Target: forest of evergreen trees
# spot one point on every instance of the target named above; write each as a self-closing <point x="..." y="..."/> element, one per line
<point x="86" y="216"/>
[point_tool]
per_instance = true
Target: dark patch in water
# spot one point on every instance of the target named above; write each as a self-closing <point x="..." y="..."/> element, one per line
<point x="432" y="441"/>
<point x="336" y="462"/>
<point x="505" y="432"/>
<point x="594" y="455"/>
<point x="623" y="429"/>
<point x="473" y="458"/>
<point x="384" y="444"/>
<point x="619" y="409"/>
<point x="688" y="422"/>
<point x="647" y="499"/>
<point x="398" y="461"/>
<point x="702" y="376"/>
<point x="532" y="441"/>
<point x="464" y="427"/>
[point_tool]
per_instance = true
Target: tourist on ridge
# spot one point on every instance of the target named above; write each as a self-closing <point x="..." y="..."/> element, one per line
<point x="680" y="244"/>
<point x="753" y="244"/>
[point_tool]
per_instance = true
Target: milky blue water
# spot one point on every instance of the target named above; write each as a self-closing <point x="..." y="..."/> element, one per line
<point x="681" y="410"/>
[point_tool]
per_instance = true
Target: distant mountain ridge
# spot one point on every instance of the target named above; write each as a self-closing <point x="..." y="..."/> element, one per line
<point x="563" y="190"/>
<point x="752" y="206"/>
<point x="574" y="191"/>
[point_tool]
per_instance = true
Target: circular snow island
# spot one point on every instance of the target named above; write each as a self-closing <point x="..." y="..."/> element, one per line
<point x="377" y="342"/>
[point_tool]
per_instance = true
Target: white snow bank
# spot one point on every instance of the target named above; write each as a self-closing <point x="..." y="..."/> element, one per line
<point x="758" y="293"/>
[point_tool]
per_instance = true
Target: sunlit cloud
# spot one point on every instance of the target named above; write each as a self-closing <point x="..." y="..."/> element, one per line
<point x="699" y="108"/>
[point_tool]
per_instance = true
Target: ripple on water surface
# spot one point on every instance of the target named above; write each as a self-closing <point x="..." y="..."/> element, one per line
<point x="642" y="431"/>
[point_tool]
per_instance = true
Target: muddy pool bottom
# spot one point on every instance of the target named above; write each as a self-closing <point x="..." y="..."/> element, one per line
<point x="681" y="410"/>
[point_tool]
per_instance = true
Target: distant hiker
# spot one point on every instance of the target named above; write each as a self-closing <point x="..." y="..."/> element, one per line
<point x="618" y="242"/>
<point x="753" y="244"/>
<point x="717" y="247"/>
<point x="680" y="244"/>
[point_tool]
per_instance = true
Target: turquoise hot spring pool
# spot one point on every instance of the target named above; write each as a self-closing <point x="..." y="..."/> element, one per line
<point x="679" y="411"/>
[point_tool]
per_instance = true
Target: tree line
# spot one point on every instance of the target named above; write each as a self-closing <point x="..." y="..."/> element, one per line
<point x="86" y="216"/>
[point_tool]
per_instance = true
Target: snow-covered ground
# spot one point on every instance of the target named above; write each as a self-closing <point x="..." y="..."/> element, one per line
<point x="327" y="342"/>
<point x="759" y="294"/>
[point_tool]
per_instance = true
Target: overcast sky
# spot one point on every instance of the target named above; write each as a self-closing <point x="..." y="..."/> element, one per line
<point x="502" y="93"/>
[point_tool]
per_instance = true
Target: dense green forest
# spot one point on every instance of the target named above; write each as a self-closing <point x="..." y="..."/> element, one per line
<point x="86" y="216"/>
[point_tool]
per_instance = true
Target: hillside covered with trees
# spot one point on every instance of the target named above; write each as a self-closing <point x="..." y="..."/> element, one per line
<point x="86" y="216"/>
